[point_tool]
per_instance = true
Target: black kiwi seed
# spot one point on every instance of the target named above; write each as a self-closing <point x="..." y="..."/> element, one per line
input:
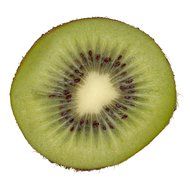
<point x="124" y="116"/>
<point x="119" y="57"/>
<point x="76" y="80"/>
<point x="95" y="124"/>
<point x="90" y="55"/>
<point x="111" y="126"/>
<point x="82" y="122"/>
<point x="71" y="120"/>
<point x="116" y="64"/>
<point x="66" y="92"/>
<point x="52" y="96"/>
<point x="98" y="57"/>
<point x="118" y="105"/>
<point x="107" y="59"/>
<point x="123" y="65"/>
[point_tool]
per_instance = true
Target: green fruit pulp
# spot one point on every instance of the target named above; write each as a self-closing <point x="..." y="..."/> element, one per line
<point x="91" y="149"/>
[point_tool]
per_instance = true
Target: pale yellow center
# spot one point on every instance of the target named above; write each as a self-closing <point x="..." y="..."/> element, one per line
<point x="96" y="92"/>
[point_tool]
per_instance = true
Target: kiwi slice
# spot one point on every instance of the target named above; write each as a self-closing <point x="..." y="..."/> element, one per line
<point x="92" y="92"/>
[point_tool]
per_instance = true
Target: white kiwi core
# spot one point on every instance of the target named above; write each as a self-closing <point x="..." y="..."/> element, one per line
<point x="96" y="92"/>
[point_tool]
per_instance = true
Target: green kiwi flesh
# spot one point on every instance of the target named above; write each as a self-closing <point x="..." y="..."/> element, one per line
<point x="93" y="92"/>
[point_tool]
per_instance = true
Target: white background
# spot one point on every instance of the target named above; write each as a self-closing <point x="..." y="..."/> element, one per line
<point x="164" y="164"/>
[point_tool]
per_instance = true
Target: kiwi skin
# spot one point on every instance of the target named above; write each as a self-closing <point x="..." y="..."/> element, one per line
<point x="11" y="97"/>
